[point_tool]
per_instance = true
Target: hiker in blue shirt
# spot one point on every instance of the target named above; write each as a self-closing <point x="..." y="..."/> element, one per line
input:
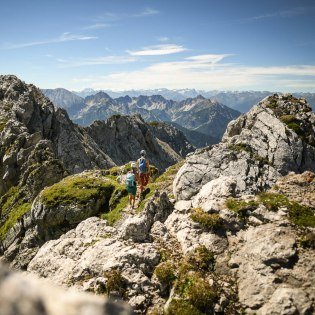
<point x="144" y="172"/>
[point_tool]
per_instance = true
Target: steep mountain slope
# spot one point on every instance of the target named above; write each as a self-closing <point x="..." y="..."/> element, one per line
<point x="65" y="99"/>
<point x="32" y="132"/>
<point x="123" y="137"/>
<point x="203" y="115"/>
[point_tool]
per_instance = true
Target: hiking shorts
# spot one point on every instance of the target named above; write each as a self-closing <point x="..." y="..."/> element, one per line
<point x="132" y="190"/>
<point x="144" y="179"/>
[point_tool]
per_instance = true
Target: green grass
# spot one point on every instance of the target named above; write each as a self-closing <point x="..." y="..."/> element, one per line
<point x="16" y="213"/>
<point x="239" y="147"/>
<point x="182" y="307"/>
<point x="115" y="214"/>
<point x="240" y="207"/>
<point x="272" y="104"/>
<point x="202" y="259"/>
<point x="115" y="282"/>
<point x="78" y="190"/>
<point x="288" y="119"/>
<point x="197" y="291"/>
<point x="170" y="173"/>
<point x="273" y="201"/>
<point x="165" y="273"/>
<point x="7" y="200"/>
<point x="2" y="125"/>
<point x="206" y="220"/>
<point x="307" y="240"/>
<point x="302" y="215"/>
<point x="296" y="128"/>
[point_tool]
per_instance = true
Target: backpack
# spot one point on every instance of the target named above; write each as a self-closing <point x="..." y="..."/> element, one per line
<point x="143" y="165"/>
<point x="130" y="180"/>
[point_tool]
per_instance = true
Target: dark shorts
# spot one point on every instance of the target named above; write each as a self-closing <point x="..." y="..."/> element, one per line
<point x="132" y="190"/>
<point x="144" y="179"/>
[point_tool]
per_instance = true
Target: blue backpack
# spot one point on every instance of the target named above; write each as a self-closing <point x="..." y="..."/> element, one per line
<point x="130" y="180"/>
<point x="143" y="165"/>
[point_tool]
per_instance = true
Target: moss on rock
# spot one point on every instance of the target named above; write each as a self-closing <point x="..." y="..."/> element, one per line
<point x="206" y="220"/>
<point x="79" y="190"/>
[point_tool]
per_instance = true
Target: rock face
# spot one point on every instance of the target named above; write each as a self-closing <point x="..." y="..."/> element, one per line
<point x="65" y="99"/>
<point x="24" y="294"/>
<point x="94" y="254"/>
<point x="33" y="132"/>
<point x="127" y="136"/>
<point x="275" y="137"/>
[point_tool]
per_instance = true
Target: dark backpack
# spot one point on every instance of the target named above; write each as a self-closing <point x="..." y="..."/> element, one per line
<point x="143" y="165"/>
<point x="130" y="180"/>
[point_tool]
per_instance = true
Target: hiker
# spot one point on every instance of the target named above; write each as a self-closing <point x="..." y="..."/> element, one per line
<point x="135" y="170"/>
<point x="144" y="171"/>
<point x="131" y="186"/>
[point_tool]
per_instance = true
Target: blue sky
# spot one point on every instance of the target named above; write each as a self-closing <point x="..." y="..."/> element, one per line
<point x="144" y="44"/>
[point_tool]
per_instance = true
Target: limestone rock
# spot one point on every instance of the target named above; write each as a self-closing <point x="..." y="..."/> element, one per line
<point x="265" y="257"/>
<point x="83" y="255"/>
<point x="257" y="149"/>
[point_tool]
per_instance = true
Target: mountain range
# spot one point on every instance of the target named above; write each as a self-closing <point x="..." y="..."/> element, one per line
<point x="208" y="119"/>
<point x="238" y="100"/>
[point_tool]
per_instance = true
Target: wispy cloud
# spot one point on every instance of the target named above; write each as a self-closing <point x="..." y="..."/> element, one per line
<point x="209" y="72"/>
<point x="115" y="16"/>
<point x="279" y="14"/>
<point x="65" y="37"/>
<point x="103" y="60"/>
<point x="96" y="26"/>
<point x="158" y="50"/>
<point x="146" y="12"/>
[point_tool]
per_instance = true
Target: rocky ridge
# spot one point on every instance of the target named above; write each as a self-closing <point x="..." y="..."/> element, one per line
<point x="274" y="138"/>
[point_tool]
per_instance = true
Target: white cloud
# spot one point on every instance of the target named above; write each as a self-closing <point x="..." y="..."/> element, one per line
<point x="114" y="16"/>
<point x="104" y="60"/>
<point x="207" y="72"/>
<point x="158" y="50"/>
<point x="65" y="37"/>
<point x="96" y="26"/>
<point x="146" y="12"/>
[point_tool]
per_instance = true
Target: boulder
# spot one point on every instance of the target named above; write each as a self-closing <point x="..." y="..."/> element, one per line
<point x="22" y="294"/>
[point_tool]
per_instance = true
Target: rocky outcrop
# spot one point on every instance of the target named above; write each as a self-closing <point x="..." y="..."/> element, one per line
<point x="126" y="136"/>
<point x="34" y="133"/>
<point x="22" y="294"/>
<point x="277" y="136"/>
<point x="94" y="254"/>
<point x="56" y="210"/>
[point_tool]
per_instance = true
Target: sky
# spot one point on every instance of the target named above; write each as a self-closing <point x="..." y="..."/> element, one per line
<point x="150" y="44"/>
